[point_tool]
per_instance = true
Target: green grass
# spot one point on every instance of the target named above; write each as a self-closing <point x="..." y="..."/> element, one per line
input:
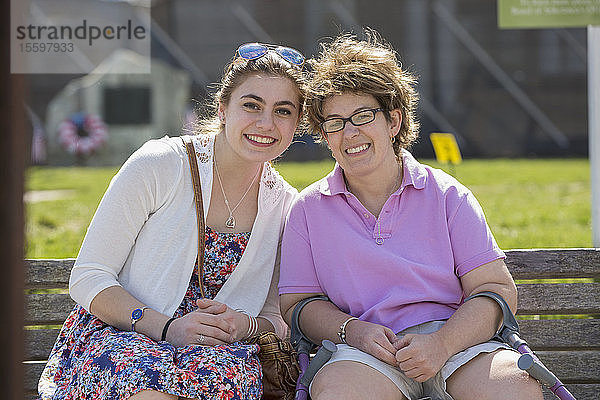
<point x="528" y="203"/>
<point x="533" y="203"/>
<point x="55" y="228"/>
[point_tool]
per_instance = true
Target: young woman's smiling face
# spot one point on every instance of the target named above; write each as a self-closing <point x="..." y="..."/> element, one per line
<point x="261" y="117"/>
<point x="360" y="150"/>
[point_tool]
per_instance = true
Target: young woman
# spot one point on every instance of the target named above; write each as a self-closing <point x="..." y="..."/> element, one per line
<point x="396" y="246"/>
<point x="144" y="326"/>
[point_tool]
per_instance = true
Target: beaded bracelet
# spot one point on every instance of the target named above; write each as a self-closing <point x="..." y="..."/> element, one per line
<point x="342" y="331"/>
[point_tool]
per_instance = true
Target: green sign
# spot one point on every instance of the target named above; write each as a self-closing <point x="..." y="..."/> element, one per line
<point x="548" y="13"/>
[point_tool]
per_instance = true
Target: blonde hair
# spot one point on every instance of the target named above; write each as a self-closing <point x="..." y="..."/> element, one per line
<point x="235" y="73"/>
<point x="370" y="66"/>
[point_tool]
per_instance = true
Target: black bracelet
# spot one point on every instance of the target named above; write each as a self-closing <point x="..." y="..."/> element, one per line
<point x="163" y="337"/>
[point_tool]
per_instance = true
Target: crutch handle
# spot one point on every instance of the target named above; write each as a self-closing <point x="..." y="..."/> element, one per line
<point x="536" y="369"/>
<point x="528" y="362"/>
<point x="323" y="355"/>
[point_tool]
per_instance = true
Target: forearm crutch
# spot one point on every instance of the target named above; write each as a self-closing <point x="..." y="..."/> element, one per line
<point x="304" y="346"/>
<point x="509" y="333"/>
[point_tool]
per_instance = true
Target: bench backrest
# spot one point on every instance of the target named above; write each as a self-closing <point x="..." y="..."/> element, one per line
<point x="568" y="344"/>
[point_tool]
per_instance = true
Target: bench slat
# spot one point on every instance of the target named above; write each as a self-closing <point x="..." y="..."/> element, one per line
<point x="553" y="263"/>
<point x="523" y="264"/>
<point x="32" y="372"/>
<point x="561" y="334"/>
<point x="572" y="366"/>
<point x="47" y="309"/>
<point x="38" y="343"/>
<point x="563" y="298"/>
<point x="44" y="274"/>
<point x="559" y="298"/>
<point x="581" y="391"/>
<point x="554" y="334"/>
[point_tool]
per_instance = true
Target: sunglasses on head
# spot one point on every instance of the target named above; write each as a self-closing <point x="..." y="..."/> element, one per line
<point x="254" y="51"/>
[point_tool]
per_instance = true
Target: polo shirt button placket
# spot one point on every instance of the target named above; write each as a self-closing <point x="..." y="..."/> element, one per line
<point x="379" y="238"/>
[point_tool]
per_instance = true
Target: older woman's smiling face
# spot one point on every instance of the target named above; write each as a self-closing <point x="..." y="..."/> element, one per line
<point x="360" y="150"/>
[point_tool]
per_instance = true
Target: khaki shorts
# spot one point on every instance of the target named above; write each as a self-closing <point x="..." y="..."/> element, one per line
<point x="435" y="388"/>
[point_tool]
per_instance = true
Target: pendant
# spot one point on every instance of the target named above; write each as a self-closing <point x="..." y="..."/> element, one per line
<point x="230" y="223"/>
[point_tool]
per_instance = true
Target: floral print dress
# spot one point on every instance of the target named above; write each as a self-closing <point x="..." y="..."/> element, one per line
<point x="93" y="360"/>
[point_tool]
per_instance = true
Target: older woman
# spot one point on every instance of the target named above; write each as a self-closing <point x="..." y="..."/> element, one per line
<point x="396" y="246"/>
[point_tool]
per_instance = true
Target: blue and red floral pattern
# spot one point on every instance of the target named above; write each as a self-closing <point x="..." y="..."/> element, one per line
<point x="93" y="360"/>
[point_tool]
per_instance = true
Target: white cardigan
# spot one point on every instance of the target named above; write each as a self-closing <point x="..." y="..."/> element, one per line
<point x="144" y="235"/>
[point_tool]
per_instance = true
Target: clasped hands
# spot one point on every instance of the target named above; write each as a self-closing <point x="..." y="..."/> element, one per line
<point x="419" y="356"/>
<point x="212" y="324"/>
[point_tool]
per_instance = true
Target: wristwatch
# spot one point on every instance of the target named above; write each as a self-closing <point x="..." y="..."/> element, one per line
<point x="136" y="315"/>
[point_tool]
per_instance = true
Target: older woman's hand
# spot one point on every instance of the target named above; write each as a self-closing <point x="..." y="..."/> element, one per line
<point x="420" y="357"/>
<point x="373" y="339"/>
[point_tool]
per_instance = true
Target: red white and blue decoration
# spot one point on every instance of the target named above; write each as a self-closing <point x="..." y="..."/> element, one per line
<point x="82" y="134"/>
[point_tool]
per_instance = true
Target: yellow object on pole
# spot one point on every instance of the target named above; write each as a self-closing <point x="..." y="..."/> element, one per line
<point x="446" y="148"/>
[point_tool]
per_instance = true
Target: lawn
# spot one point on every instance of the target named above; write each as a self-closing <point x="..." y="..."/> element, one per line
<point x="528" y="203"/>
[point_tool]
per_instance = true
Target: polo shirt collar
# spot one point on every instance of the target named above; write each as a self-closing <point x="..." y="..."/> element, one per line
<point x="334" y="183"/>
<point x="415" y="174"/>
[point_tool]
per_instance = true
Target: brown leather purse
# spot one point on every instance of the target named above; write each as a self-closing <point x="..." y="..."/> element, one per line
<point x="278" y="358"/>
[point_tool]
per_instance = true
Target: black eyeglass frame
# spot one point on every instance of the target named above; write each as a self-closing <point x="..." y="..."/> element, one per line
<point x="374" y="111"/>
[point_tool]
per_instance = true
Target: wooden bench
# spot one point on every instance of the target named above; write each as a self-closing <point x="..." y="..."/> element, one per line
<point x="569" y="347"/>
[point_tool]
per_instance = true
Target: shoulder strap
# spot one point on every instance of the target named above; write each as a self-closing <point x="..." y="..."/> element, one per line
<point x="191" y="152"/>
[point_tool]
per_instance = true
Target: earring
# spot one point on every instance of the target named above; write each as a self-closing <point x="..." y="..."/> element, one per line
<point x="393" y="139"/>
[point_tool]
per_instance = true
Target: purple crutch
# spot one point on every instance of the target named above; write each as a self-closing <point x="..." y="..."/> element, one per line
<point x="509" y="333"/>
<point x="303" y="346"/>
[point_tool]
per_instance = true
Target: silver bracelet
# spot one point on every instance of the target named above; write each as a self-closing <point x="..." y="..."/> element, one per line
<point x="252" y="324"/>
<point x="342" y="331"/>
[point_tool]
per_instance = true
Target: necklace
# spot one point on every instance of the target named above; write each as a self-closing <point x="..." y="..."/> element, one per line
<point x="230" y="223"/>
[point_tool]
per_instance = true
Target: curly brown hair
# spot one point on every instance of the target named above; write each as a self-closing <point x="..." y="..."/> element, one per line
<point x="367" y="66"/>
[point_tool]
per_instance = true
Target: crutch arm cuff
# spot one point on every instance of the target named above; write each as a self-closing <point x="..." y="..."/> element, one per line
<point x="509" y="331"/>
<point x="296" y="335"/>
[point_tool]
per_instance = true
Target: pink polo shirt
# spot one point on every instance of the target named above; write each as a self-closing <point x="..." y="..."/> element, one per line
<point x="398" y="270"/>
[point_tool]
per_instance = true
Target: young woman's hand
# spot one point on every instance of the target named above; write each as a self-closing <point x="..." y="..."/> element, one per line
<point x="212" y="324"/>
<point x="237" y="321"/>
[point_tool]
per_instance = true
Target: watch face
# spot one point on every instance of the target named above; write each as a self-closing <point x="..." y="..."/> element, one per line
<point x="137" y="314"/>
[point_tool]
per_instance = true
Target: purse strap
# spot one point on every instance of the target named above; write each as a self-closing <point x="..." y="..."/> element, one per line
<point x="191" y="152"/>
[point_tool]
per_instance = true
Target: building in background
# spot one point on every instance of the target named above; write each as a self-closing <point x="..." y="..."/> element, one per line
<point x="117" y="108"/>
<point x="503" y="93"/>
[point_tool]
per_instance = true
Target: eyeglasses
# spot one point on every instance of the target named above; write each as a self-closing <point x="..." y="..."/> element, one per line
<point x="254" y="51"/>
<point x="359" y="118"/>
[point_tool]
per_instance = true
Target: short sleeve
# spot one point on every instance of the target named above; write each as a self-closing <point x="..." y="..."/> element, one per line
<point x="297" y="269"/>
<point x="472" y="241"/>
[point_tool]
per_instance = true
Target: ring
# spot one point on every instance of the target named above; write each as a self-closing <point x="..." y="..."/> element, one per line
<point x="201" y="339"/>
